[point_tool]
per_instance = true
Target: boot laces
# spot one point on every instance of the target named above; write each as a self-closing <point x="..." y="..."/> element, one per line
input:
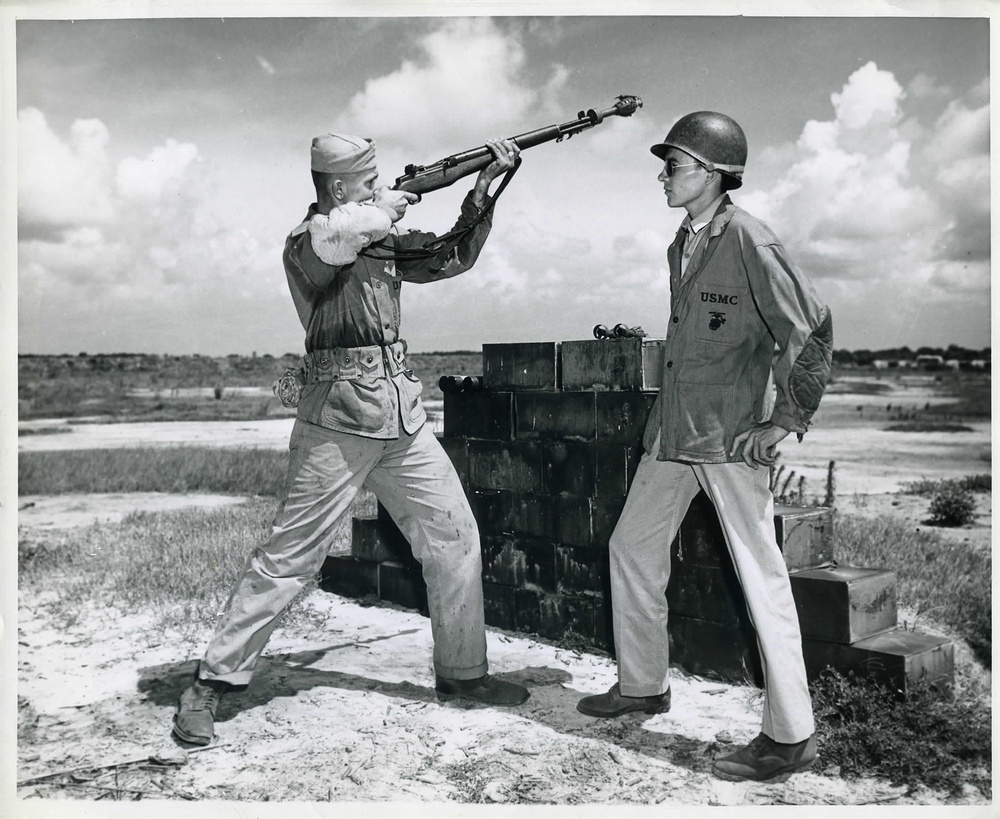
<point x="207" y="698"/>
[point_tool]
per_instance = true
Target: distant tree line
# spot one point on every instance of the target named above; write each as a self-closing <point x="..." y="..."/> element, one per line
<point x="953" y="352"/>
<point x="860" y="358"/>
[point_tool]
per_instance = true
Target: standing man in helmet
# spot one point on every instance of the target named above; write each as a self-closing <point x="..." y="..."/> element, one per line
<point x="742" y="317"/>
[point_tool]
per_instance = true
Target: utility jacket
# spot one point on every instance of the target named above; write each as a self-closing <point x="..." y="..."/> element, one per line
<point x="744" y="316"/>
<point x="356" y="378"/>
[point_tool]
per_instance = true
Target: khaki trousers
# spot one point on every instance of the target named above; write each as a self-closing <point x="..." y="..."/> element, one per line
<point x="417" y="484"/>
<point x="658" y="499"/>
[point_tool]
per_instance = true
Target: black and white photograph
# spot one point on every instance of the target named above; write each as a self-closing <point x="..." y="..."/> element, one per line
<point x="443" y="409"/>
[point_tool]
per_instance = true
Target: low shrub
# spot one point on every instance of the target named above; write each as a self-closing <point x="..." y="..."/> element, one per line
<point x="929" y="737"/>
<point x="952" y="506"/>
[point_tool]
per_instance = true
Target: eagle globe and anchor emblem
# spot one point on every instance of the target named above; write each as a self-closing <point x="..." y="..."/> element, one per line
<point x="717" y="320"/>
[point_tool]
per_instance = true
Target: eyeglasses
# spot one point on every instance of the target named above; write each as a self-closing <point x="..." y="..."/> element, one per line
<point x="670" y="166"/>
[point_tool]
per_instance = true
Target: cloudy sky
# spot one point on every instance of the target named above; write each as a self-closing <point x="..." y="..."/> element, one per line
<point x="161" y="162"/>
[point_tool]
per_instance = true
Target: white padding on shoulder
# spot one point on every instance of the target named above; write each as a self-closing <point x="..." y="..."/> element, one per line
<point x="339" y="237"/>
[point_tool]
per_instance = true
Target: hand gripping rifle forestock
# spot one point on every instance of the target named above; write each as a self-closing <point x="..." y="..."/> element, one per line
<point x="421" y="179"/>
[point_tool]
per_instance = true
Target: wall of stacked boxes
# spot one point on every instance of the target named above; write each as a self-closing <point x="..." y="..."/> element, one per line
<point x="546" y="442"/>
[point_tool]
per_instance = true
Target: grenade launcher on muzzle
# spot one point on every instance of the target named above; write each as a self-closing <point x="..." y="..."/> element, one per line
<point x="421" y="179"/>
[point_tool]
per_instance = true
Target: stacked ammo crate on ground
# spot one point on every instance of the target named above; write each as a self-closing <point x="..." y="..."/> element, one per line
<point x="546" y="450"/>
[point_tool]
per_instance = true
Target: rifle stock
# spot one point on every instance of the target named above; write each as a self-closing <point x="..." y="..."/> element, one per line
<point x="421" y="179"/>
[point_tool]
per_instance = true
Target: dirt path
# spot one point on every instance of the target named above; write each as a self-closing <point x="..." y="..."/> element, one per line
<point x="343" y="710"/>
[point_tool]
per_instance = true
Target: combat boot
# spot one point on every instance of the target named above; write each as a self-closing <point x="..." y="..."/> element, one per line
<point x="485" y="689"/>
<point x="194" y="721"/>
<point x="613" y="703"/>
<point x="765" y="760"/>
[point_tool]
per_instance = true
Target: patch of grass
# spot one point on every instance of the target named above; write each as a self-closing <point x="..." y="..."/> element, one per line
<point x="119" y="407"/>
<point x="947" y="581"/>
<point x="928" y="426"/>
<point x="928" y="738"/>
<point x="970" y="483"/>
<point x="248" y="471"/>
<point x="973" y="392"/>
<point x="180" y="563"/>
<point x="230" y="407"/>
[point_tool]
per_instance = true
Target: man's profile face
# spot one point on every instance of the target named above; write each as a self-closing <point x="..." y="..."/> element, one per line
<point x="359" y="187"/>
<point x="684" y="178"/>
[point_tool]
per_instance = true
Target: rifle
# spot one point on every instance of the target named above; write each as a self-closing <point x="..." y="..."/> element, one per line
<point x="421" y="179"/>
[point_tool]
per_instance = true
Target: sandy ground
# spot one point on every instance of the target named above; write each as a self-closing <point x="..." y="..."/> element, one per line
<point x="342" y="710"/>
<point x="852" y="430"/>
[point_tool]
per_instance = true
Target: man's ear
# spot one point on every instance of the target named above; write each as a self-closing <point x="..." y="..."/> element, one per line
<point x="337" y="188"/>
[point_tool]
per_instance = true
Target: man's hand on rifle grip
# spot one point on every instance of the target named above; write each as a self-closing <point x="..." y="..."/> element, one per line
<point x="505" y="153"/>
<point x="394" y="202"/>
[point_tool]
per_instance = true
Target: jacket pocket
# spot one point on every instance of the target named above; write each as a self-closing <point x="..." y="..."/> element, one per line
<point x="703" y="419"/>
<point x="718" y="313"/>
<point x="354" y="406"/>
<point x="411" y="408"/>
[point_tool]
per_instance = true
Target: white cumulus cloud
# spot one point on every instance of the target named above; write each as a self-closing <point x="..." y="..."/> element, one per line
<point x="62" y="181"/>
<point x="872" y="193"/>
<point x="465" y="81"/>
<point x="870" y="98"/>
<point x="139" y="241"/>
<point x="163" y="171"/>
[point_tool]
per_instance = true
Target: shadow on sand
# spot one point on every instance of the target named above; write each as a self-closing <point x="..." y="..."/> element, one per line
<point x="552" y="704"/>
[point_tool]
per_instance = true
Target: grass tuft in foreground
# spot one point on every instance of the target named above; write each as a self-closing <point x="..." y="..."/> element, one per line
<point x="929" y="739"/>
<point x="181" y="564"/>
<point x="949" y="582"/>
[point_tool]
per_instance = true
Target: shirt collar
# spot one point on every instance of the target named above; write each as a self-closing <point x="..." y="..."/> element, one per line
<point x="698" y="222"/>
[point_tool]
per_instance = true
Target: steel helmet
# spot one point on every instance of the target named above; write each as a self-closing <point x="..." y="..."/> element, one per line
<point x="715" y="140"/>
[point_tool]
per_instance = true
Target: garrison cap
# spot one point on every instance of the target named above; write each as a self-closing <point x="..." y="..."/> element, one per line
<point x="342" y="153"/>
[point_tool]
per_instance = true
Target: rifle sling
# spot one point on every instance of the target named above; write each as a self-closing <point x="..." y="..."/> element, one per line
<point x="444" y="244"/>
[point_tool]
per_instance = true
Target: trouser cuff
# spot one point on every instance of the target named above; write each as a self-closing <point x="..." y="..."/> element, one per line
<point x="450" y="673"/>
<point x="233" y="677"/>
<point x="652" y="690"/>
